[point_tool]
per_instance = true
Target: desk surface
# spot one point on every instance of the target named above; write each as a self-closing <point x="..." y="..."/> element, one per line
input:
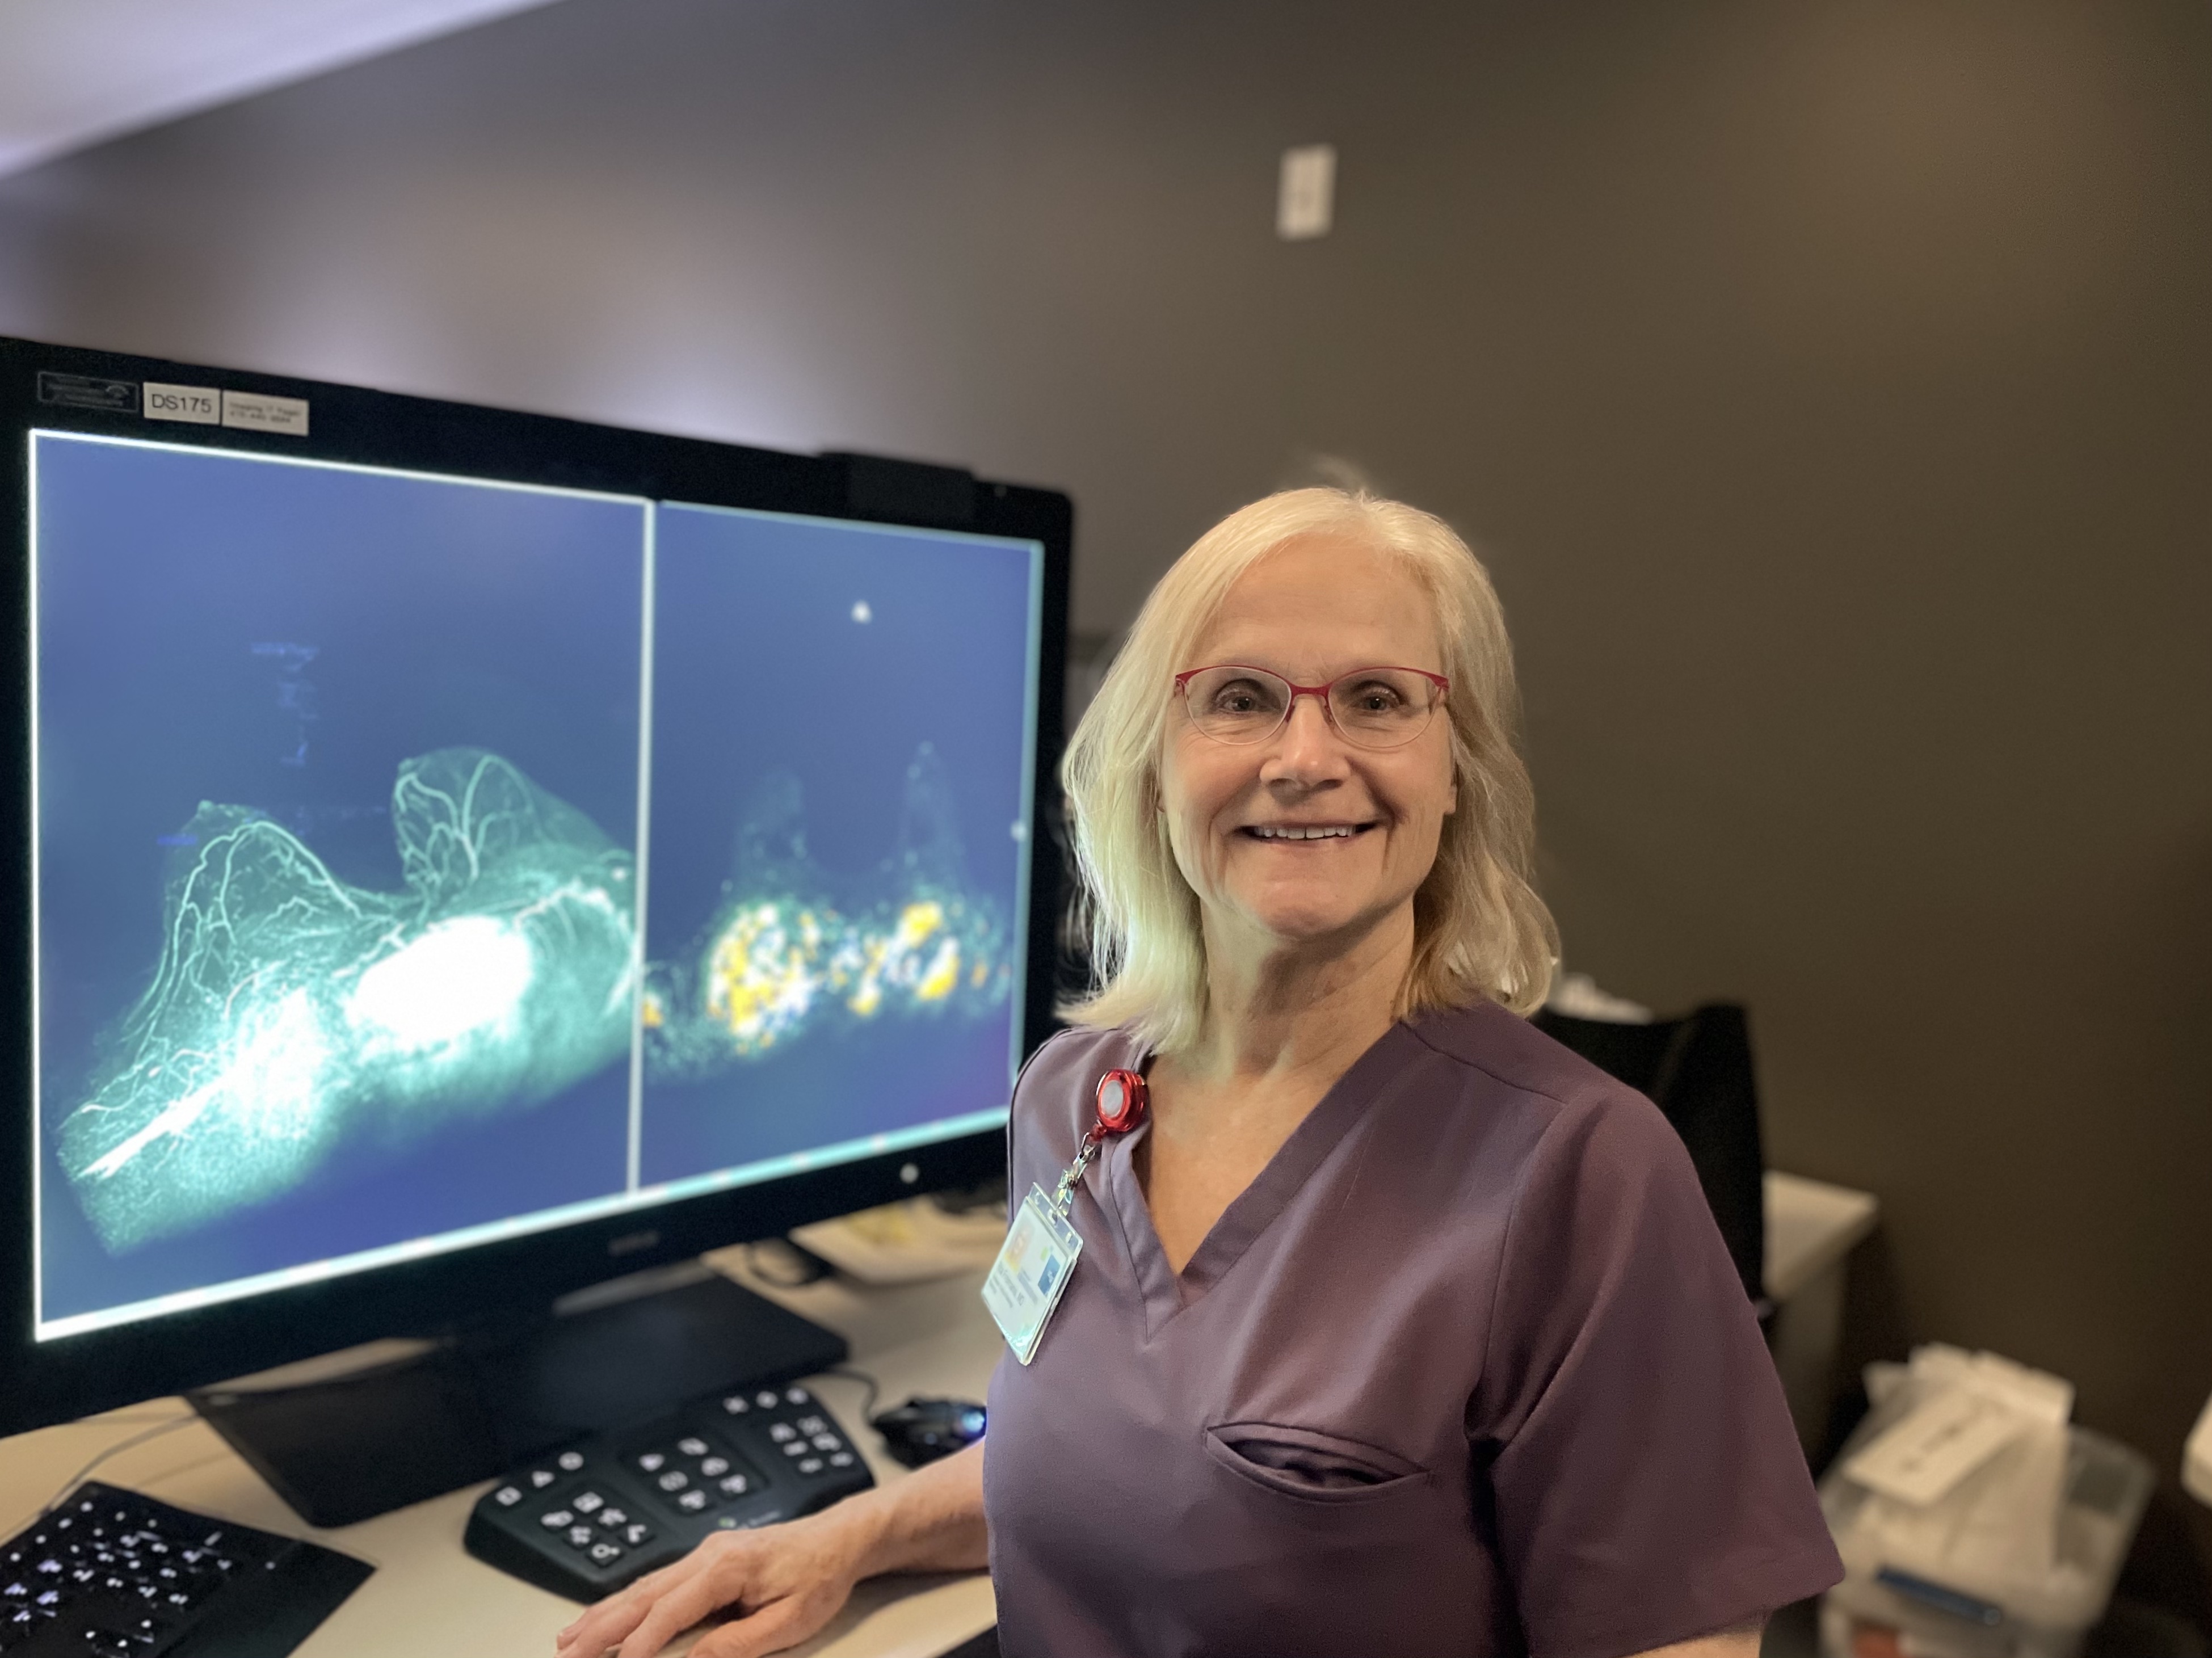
<point x="429" y="1598"/>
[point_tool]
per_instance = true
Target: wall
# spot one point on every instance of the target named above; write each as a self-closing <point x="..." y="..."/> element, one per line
<point x="1828" y="384"/>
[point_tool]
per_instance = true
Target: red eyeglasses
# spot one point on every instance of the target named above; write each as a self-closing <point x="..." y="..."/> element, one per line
<point x="1370" y="708"/>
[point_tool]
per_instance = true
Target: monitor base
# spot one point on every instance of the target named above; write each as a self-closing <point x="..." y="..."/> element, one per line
<point x="342" y="1451"/>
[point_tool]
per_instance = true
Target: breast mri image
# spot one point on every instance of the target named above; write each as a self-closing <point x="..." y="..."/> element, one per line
<point x="423" y="859"/>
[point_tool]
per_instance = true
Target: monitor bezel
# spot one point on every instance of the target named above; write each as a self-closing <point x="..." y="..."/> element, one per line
<point x="68" y="1377"/>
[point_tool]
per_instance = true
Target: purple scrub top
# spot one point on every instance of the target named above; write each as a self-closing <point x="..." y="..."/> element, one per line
<point x="1466" y="1370"/>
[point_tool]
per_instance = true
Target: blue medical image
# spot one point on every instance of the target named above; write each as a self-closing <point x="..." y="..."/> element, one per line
<point x="840" y="714"/>
<point x="337" y="780"/>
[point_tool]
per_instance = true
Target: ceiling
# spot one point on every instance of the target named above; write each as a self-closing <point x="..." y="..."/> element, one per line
<point x="74" y="72"/>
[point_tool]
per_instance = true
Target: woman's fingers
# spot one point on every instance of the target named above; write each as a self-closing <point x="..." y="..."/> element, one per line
<point x="774" y="1627"/>
<point x="603" y="1625"/>
<point x="678" y="1607"/>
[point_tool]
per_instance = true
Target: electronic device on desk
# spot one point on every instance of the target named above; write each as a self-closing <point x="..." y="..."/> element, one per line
<point x="465" y="856"/>
<point x="598" y="1514"/>
<point x="109" y="1574"/>
<point x="922" y="1429"/>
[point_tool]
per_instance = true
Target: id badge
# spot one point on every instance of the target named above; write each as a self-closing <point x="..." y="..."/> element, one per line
<point x="1031" y="1273"/>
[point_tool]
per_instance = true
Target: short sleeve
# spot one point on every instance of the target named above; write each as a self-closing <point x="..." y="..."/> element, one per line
<point x="1644" y="1481"/>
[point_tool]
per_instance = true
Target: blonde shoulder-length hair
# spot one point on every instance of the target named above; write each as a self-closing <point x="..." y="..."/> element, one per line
<point x="1479" y="929"/>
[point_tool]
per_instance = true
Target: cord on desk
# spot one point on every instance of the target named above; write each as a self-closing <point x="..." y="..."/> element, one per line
<point x="167" y="1425"/>
<point x="867" y="1410"/>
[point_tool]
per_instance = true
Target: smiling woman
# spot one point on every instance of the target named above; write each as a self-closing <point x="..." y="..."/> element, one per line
<point x="1388" y="1326"/>
<point x="1417" y="600"/>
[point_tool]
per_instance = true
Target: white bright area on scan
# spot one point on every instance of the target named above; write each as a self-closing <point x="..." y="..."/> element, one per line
<point x="76" y="72"/>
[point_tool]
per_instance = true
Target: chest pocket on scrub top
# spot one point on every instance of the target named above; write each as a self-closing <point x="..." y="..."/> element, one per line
<point x="1304" y="1462"/>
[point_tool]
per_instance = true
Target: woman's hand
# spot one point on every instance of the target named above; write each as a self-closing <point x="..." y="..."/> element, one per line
<point x="786" y="1581"/>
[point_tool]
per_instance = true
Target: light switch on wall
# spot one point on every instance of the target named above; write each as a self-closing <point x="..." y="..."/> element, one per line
<point x="1307" y="200"/>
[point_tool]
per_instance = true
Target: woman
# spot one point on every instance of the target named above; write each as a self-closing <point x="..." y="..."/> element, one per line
<point x="1396" y="1329"/>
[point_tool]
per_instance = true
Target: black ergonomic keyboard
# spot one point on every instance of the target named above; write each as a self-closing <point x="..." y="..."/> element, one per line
<point x="110" y="1573"/>
<point x="587" y="1520"/>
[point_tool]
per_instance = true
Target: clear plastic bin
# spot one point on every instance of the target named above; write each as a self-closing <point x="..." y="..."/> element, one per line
<point x="1927" y="1583"/>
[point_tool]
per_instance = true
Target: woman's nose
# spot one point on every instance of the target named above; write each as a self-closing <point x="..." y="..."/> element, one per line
<point x="1308" y="744"/>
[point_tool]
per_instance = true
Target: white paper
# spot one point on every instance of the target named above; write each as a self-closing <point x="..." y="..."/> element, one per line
<point x="1935" y="1446"/>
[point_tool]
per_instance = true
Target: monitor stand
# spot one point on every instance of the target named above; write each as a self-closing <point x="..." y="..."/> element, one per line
<point x="450" y="1412"/>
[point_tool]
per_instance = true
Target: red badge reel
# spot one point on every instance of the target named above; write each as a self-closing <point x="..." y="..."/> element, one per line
<point x="1123" y="1099"/>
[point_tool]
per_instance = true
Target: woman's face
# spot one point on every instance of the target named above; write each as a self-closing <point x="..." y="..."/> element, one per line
<point x="1316" y="608"/>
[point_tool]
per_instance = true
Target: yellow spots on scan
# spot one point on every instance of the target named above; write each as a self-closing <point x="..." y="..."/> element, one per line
<point x="650" y="1014"/>
<point x="944" y="975"/>
<point x="761" y="977"/>
<point x="771" y="960"/>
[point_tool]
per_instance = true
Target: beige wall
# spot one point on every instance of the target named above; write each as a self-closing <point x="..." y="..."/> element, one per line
<point x="1829" y="383"/>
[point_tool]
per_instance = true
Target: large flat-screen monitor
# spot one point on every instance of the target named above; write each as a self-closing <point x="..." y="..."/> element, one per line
<point x="459" y="855"/>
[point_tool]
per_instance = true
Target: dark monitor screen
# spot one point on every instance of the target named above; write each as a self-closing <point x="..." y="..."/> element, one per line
<point x="425" y="860"/>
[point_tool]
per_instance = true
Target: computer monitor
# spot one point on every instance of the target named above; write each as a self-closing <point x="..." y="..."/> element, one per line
<point x="463" y="855"/>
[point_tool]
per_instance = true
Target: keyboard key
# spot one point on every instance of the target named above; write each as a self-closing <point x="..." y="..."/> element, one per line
<point x="734" y="1485"/>
<point x="637" y="1534"/>
<point x="811" y="1465"/>
<point x="783" y="1432"/>
<point x="737" y="1404"/>
<point x="612" y="1518"/>
<point x="765" y="1398"/>
<point x="692" y="1501"/>
<point x="556" y="1519"/>
<point x="507" y="1496"/>
<point x="541" y="1477"/>
<point x="653" y="1462"/>
<point x="570" y="1461"/>
<point x="587" y="1502"/>
<point x="812" y="1424"/>
<point x="842" y="1460"/>
<point x="827" y="1442"/>
<point x="581" y="1537"/>
<point x="605" y="1554"/>
<point x="797" y="1396"/>
<point x="674" y="1481"/>
<point x="692" y="1447"/>
<point x="796" y="1447"/>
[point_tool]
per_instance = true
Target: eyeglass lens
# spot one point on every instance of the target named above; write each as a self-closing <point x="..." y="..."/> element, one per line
<point x="1373" y="708"/>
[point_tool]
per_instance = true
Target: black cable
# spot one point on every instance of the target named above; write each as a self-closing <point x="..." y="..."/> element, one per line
<point x="867" y="1410"/>
<point x="167" y="1425"/>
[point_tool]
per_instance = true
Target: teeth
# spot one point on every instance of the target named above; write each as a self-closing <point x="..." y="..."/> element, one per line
<point x="1267" y="832"/>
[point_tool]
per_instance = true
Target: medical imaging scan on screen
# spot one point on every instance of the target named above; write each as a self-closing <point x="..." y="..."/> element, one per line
<point x="423" y="860"/>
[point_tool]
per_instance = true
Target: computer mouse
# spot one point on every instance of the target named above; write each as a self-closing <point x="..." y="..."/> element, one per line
<point x="922" y="1429"/>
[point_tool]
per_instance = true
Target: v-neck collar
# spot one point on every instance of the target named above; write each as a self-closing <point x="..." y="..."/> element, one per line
<point x="1251" y="1211"/>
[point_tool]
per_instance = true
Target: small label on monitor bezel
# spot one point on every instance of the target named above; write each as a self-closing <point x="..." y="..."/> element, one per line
<point x="257" y="411"/>
<point x="193" y="405"/>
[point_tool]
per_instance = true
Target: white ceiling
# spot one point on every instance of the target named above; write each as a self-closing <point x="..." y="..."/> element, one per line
<point x="73" y="72"/>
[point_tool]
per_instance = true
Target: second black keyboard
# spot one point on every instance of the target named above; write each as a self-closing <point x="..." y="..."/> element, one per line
<point x="587" y="1520"/>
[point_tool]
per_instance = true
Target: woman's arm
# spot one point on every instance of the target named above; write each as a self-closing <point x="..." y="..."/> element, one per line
<point x="786" y="1581"/>
<point x="1727" y="1643"/>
